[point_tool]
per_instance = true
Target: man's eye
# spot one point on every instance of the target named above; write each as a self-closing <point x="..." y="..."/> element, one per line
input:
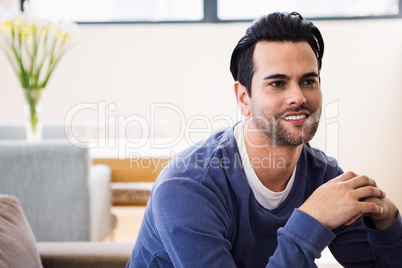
<point x="277" y="84"/>
<point x="309" y="82"/>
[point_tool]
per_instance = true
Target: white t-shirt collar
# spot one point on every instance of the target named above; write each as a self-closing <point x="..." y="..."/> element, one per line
<point x="267" y="198"/>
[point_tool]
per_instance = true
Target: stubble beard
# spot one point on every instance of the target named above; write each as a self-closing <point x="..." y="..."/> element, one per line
<point x="279" y="136"/>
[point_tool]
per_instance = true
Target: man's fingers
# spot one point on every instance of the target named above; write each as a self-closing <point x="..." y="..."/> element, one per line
<point x="346" y="176"/>
<point x="361" y="181"/>
<point x="370" y="207"/>
<point x="367" y="207"/>
<point x="355" y="181"/>
<point x="368" y="192"/>
<point x="346" y="197"/>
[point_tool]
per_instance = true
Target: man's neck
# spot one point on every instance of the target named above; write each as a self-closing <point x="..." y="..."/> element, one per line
<point x="272" y="164"/>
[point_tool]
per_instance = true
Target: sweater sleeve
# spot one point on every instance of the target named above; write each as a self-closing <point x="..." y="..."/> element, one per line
<point x="194" y="227"/>
<point x="387" y="243"/>
<point x="358" y="245"/>
<point x="300" y="242"/>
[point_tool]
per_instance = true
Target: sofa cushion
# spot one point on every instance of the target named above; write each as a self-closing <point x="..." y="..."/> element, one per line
<point x="17" y="242"/>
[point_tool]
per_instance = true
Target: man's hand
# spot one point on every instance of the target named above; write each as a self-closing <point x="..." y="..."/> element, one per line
<point x="385" y="219"/>
<point x="347" y="197"/>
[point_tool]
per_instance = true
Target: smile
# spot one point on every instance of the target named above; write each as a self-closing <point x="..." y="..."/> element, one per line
<point x="295" y="117"/>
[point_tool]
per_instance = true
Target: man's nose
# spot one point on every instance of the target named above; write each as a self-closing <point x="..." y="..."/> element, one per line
<point x="295" y="96"/>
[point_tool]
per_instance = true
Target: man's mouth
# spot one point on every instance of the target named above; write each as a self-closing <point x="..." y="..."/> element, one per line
<point x="295" y="117"/>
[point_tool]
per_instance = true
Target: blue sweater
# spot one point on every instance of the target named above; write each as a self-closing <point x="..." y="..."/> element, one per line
<point x="202" y="213"/>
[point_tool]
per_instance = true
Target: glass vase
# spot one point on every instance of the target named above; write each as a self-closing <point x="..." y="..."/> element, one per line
<point x="33" y="112"/>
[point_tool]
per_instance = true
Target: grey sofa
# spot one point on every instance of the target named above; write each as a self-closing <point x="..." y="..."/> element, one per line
<point x="64" y="196"/>
<point x="18" y="247"/>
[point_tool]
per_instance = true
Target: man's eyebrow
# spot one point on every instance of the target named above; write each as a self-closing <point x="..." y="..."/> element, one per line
<point x="285" y="77"/>
<point x="311" y="74"/>
<point x="277" y="76"/>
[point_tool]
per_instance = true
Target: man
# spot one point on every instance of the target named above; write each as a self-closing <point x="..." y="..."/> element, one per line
<point x="257" y="194"/>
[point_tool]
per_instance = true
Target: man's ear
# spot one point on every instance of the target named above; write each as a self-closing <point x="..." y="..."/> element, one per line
<point x="242" y="97"/>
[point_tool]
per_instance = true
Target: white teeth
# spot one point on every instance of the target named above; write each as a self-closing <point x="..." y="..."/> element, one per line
<point x="295" y="117"/>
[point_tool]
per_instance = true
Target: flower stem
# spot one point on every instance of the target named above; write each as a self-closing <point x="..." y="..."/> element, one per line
<point x="32" y="96"/>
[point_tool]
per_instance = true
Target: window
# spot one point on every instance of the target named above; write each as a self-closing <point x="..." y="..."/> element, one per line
<point x="215" y="11"/>
<point x="118" y="10"/>
<point x="250" y="9"/>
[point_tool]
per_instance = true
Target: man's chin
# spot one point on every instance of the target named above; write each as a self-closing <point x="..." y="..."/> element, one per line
<point x="289" y="143"/>
<point x="292" y="140"/>
<point x="299" y="135"/>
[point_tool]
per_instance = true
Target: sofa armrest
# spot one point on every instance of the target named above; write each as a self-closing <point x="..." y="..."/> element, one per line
<point x="102" y="221"/>
<point x="84" y="254"/>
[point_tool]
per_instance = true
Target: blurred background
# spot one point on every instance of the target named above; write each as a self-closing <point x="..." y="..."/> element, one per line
<point x="167" y="62"/>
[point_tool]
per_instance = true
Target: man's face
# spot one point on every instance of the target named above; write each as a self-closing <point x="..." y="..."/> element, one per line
<point x="286" y="99"/>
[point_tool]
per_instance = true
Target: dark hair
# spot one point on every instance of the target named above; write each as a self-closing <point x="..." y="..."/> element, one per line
<point x="275" y="27"/>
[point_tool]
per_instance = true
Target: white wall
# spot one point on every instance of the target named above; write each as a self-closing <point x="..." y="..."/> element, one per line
<point x="187" y="66"/>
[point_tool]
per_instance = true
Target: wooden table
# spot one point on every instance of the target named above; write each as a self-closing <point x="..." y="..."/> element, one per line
<point x="132" y="167"/>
